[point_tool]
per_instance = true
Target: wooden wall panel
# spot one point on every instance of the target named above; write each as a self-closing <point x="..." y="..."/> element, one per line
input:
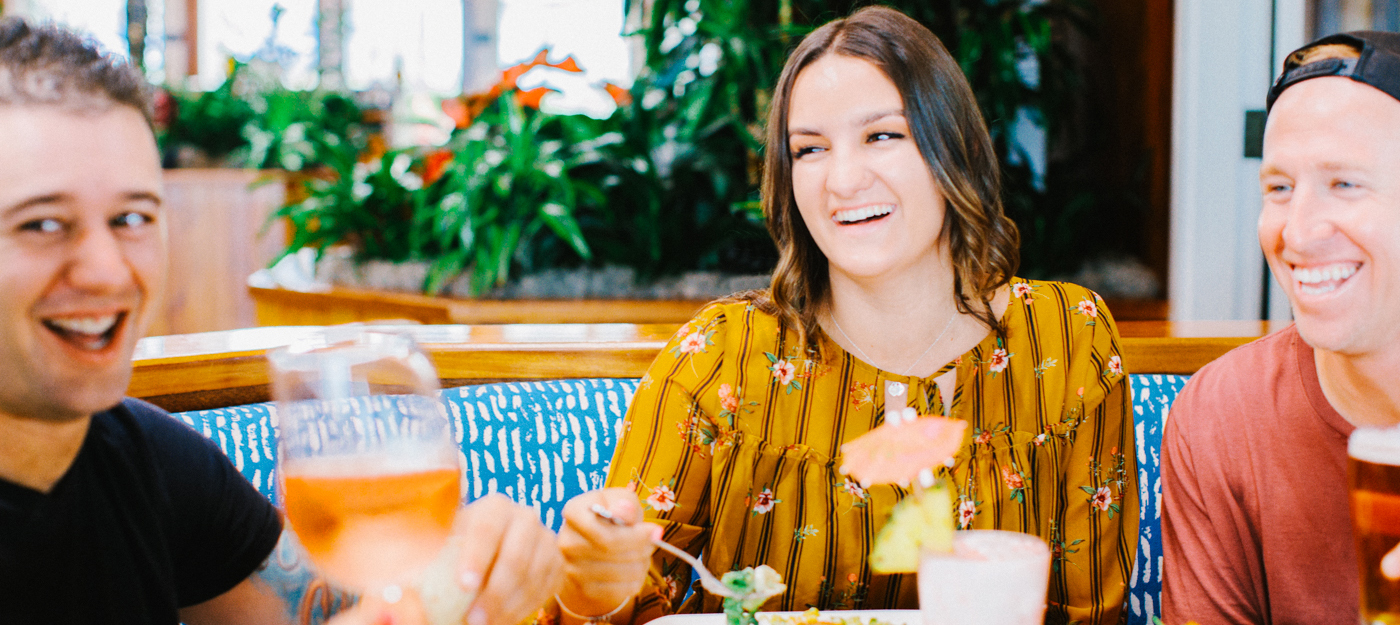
<point x="213" y="219"/>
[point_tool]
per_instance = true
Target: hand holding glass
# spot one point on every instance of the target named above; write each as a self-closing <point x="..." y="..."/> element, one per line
<point x="368" y="464"/>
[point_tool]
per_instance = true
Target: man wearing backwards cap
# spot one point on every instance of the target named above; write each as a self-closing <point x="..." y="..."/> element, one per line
<point x="1257" y="525"/>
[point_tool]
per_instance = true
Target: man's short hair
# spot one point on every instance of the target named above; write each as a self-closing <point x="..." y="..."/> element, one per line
<point x="47" y="65"/>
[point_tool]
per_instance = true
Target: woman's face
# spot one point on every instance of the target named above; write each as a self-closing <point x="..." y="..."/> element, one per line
<point x="863" y="188"/>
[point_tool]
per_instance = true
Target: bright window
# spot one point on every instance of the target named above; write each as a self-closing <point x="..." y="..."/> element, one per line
<point x="590" y="30"/>
<point x="104" y="20"/>
<point x="243" y="29"/>
<point x="423" y="38"/>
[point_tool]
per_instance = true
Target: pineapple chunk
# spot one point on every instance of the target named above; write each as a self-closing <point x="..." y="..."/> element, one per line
<point x="918" y="523"/>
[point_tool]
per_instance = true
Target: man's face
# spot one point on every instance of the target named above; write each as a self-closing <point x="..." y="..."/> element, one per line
<point x="1330" y="226"/>
<point x="82" y="253"/>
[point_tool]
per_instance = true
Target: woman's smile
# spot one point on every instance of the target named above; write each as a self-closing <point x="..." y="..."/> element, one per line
<point x="863" y="214"/>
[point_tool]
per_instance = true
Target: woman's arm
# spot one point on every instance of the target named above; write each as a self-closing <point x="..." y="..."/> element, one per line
<point x="663" y="459"/>
<point x="1099" y="522"/>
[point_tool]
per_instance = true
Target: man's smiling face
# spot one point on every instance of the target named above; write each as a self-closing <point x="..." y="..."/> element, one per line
<point x="82" y="254"/>
<point x="1330" y="226"/>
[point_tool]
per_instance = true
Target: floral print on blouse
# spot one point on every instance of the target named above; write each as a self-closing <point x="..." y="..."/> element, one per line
<point x="733" y="440"/>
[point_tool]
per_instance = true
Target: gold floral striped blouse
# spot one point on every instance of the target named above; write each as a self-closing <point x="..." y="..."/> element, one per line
<point x="733" y="442"/>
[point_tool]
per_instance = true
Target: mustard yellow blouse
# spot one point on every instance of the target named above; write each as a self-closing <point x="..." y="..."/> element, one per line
<point x="733" y="443"/>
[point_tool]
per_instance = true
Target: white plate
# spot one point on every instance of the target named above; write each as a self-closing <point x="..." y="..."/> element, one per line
<point x="893" y="617"/>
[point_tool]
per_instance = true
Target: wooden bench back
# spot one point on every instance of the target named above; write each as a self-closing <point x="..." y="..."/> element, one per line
<point x="219" y="369"/>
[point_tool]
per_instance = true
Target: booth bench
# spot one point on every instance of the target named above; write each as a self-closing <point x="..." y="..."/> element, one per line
<point x="537" y="406"/>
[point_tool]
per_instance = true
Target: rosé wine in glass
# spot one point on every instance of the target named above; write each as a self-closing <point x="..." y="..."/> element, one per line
<point x="367" y="460"/>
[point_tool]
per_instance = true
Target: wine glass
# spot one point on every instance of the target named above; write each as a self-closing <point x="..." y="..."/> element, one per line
<point x="367" y="460"/>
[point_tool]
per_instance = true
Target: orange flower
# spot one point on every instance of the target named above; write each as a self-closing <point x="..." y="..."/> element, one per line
<point x="694" y="343"/>
<point x="998" y="360"/>
<point x="765" y="501"/>
<point x="619" y="95"/>
<point x="727" y="399"/>
<point x="1102" y="499"/>
<point x="1115" y="365"/>
<point x="662" y="498"/>
<point x="457" y="110"/>
<point x="513" y="73"/>
<point x="435" y="164"/>
<point x="568" y="65"/>
<point x="532" y="97"/>
<point x="966" y="510"/>
<point x="784" y="371"/>
<point x="1011" y="478"/>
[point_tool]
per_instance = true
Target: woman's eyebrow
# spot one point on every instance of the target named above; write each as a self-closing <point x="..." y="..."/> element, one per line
<point x="879" y="115"/>
<point x="864" y="121"/>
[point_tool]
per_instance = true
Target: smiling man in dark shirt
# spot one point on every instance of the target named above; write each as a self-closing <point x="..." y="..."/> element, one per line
<point x="111" y="511"/>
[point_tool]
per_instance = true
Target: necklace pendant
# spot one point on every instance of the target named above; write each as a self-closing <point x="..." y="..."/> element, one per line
<point x="896" y="400"/>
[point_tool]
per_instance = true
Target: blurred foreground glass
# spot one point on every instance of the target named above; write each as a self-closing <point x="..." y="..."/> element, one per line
<point x="367" y="461"/>
<point x="1373" y="478"/>
<point x="992" y="577"/>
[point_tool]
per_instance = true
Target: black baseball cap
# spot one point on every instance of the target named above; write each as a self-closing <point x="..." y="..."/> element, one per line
<point x="1378" y="64"/>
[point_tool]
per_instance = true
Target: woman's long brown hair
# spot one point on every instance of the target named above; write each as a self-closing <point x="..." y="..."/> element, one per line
<point x="953" y="140"/>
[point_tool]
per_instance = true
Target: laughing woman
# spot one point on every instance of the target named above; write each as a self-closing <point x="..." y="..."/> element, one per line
<point x="881" y="191"/>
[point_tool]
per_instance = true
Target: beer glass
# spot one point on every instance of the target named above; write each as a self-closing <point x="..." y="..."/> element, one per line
<point x="992" y="577"/>
<point x="367" y="461"/>
<point x="1373" y="475"/>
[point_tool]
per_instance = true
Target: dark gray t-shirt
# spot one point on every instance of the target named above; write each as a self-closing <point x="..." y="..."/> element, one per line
<point x="151" y="517"/>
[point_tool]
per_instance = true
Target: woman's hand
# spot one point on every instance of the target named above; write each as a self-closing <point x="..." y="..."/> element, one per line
<point x="605" y="563"/>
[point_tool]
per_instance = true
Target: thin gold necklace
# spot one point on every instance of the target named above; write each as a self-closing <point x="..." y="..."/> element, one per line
<point x="916" y="361"/>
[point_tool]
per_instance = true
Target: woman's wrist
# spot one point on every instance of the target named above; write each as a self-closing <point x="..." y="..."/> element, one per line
<point x="589" y="600"/>
<point x="570" y="613"/>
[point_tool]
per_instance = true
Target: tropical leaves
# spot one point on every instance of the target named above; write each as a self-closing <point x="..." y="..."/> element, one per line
<point x="502" y="192"/>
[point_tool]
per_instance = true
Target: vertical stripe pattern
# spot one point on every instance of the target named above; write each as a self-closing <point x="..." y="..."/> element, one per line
<point x="733" y="444"/>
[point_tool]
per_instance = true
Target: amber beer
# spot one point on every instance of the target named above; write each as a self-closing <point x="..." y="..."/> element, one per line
<point x="1373" y="472"/>
<point x="366" y="526"/>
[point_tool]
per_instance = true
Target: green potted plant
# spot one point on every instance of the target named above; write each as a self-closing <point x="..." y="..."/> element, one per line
<point x="480" y="206"/>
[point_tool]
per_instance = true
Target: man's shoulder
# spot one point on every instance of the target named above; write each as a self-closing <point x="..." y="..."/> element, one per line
<point x="153" y="431"/>
<point x="1245" y="383"/>
<point x="1269" y="353"/>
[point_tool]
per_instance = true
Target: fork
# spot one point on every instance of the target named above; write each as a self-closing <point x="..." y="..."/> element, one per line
<point x="708" y="581"/>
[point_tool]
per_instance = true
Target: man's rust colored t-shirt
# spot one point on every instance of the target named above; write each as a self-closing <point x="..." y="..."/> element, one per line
<point x="1257" y="527"/>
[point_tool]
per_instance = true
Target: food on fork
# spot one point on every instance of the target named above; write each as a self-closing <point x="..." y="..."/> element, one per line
<point x="753" y="586"/>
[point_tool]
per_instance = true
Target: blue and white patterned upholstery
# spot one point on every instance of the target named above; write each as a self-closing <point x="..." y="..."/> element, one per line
<point x="539" y="443"/>
<point x="542" y="443"/>
<point x="248" y="436"/>
<point x="1152" y="396"/>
